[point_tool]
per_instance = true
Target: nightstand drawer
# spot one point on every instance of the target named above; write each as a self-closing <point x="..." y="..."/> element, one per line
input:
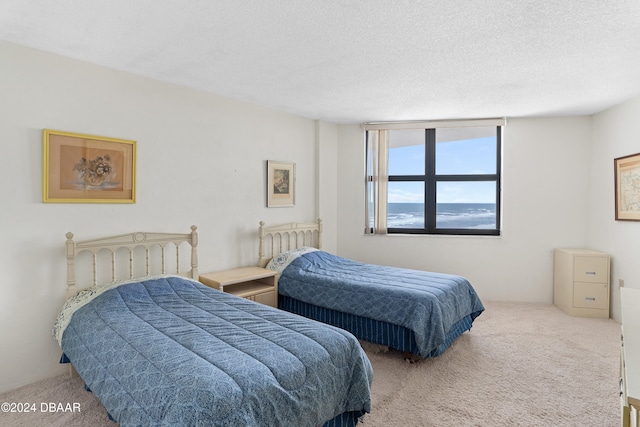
<point x="591" y="269"/>
<point x="590" y="295"/>
<point x="266" y="298"/>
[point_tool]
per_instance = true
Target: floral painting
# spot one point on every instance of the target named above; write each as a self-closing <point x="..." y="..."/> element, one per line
<point x="88" y="169"/>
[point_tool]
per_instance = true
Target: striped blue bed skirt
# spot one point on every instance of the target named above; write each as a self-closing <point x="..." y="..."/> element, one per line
<point x="346" y="419"/>
<point x="375" y="331"/>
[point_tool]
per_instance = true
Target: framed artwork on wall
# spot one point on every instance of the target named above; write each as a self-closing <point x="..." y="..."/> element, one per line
<point x="627" y="187"/>
<point x="80" y="168"/>
<point x="281" y="182"/>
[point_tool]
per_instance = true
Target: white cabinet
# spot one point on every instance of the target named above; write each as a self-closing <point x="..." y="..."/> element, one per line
<point x="581" y="282"/>
<point x="630" y="357"/>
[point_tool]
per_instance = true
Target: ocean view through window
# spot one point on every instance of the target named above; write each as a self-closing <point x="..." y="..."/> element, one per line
<point x="448" y="215"/>
<point x="434" y="180"/>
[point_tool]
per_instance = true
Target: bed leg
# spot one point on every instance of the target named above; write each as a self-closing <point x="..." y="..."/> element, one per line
<point x="411" y="357"/>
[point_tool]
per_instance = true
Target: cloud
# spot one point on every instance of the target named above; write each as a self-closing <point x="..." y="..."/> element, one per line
<point x="401" y="196"/>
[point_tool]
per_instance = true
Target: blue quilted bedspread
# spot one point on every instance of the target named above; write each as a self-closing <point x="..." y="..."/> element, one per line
<point x="173" y="352"/>
<point x="427" y="303"/>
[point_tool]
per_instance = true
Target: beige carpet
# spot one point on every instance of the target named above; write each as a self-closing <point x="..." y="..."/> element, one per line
<point x="521" y="365"/>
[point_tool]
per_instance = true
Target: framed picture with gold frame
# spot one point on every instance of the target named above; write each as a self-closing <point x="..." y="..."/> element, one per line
<point x="627" y="187"/>
<point x="79" y="168"/>
<point x="281" y="182"/>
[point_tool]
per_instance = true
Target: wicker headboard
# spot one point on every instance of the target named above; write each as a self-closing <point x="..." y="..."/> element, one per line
<point x="280" y="238"/>
<point x="131" y="242"/>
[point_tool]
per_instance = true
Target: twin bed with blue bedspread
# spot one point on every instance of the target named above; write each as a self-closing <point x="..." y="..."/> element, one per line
<point x="413" y="311"/>
<point x="167" y="350"/>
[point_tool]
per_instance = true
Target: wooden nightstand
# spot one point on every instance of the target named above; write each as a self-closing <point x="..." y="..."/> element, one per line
<point x="254" y="283"/>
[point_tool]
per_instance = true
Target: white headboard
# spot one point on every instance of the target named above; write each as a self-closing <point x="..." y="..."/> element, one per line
<point x="280" y="238"/>
<point x="130" y="242"/>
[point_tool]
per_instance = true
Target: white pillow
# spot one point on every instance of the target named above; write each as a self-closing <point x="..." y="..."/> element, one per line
<point x="280" y="262"/>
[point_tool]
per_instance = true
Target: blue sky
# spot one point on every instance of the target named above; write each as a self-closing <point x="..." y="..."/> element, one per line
<point x="453" y="157"/>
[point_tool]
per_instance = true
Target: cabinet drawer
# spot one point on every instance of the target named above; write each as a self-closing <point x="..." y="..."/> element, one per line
<point x="266" y="298"/>
<point x="591" y="269"/>
<point x="590" y="295"/>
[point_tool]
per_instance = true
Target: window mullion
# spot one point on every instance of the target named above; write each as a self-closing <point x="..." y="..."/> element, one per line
<point x="491" y="177"/>
<point x="499" y="174"/>
<point x="430" y="180"/>
<point x="408" y="178"/>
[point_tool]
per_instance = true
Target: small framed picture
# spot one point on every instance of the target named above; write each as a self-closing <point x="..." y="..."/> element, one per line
<point x="80" y="168"/>
<point x="281" y="183"/>
<point x="627" y="187"/>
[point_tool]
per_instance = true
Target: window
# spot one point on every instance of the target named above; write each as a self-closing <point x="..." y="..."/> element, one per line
<point x="443" y="178"/>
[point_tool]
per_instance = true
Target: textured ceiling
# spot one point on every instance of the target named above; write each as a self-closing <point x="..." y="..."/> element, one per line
<point x="350" y="61"/>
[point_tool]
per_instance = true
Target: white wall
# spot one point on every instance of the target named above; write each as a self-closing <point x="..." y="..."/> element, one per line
<point x="615" y="134"/>
<point x="545" y="205"/>
<point x="327" y="183"/>
<point x="201" y="160"/>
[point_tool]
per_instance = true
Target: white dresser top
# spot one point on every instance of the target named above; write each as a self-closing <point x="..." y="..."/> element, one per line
<point x="582" y="251"/>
